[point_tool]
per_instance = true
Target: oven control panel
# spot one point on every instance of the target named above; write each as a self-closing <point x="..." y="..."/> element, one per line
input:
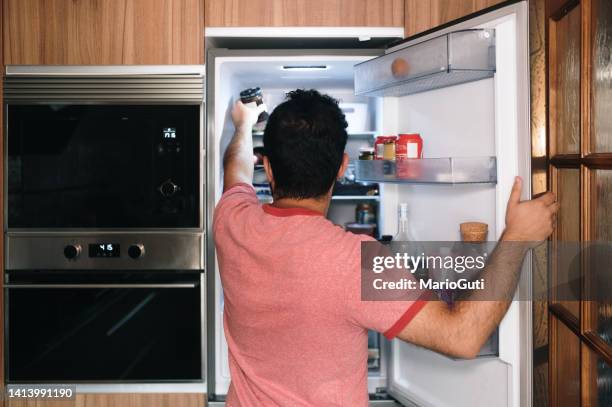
<point x="117" y="251"/>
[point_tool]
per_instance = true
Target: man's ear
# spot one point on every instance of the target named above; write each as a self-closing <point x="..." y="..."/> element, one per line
<point x="268" y="169"/>
<point x="343" y="166"/>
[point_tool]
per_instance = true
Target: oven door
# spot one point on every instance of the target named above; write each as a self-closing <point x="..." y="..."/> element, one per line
<point x="96" y="326"/>
<point x="98" y="165"/>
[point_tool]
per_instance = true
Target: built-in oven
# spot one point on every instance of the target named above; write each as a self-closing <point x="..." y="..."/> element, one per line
<point x="95" y="149"/>
<point x="103" y="326"/>
<point x="104" y="307"/>
<point x="104" y="227"/>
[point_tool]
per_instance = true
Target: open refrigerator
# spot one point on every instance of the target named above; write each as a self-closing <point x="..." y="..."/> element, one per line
<point x="467" y="93"/>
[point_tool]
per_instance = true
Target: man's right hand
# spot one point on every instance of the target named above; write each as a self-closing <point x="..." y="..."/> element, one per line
<point x="529" y="221"/>
<point x="245" y="116"/>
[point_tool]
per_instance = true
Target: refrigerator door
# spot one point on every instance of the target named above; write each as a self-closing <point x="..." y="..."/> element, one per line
<point x="483" y="118"/>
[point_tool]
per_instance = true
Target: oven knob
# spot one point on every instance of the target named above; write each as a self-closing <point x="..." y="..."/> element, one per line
<point x="72" y="251"/>
<point x="169" y="188"/>
<point x="136" y="251"/>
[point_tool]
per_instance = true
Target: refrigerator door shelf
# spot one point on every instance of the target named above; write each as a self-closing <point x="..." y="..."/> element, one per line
<point x="449" y="170"/>
<point x="447" y="60"/>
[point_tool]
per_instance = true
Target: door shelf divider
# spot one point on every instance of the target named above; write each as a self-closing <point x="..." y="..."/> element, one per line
<point x="447" y="170"/>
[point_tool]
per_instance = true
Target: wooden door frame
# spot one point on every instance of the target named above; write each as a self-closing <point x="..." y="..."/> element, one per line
<point x="586" y="161"/>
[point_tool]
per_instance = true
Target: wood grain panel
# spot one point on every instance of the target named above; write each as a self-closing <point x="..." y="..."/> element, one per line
<point x="565" y="367"/>
<point x="121" y="400"/>
<point x="1" y="217"/>
<point x="283" y="13"/>
<point x="103" y="31"/>
<point x="423" y="15"/>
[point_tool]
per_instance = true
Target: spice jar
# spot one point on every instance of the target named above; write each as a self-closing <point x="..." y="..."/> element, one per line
<point x="365" y="213"/>
<point x="409" y="146"/>
<point x="389" y="149"/>
<point x="366" y="153"/>
<point x="379" y="147"/>
<point x="475" y="232"/>
<point x="254" y="95"/>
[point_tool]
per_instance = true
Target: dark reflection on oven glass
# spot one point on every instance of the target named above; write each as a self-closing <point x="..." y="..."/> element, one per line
<point x="105" y="333"/>
<point x="103" y="166"/>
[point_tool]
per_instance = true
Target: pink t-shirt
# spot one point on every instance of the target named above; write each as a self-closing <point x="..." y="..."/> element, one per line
<point x="294" y="322"/>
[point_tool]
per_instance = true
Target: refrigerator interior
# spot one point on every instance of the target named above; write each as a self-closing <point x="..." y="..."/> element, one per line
<point x="485" y="118"/>
<point x="364" y="115"/>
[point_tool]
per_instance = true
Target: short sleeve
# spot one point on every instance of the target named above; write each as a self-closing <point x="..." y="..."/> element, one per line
<point x="238" y="196"/>
<point x="388" y="317"/>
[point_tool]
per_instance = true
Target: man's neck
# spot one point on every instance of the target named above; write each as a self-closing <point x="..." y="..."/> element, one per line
<point x="320" y="205"/>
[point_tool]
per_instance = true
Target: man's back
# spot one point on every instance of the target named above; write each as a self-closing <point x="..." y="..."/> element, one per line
<point x="294" y="323"/>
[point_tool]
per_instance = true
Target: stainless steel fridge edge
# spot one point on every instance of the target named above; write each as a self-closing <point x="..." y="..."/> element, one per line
<point x="211" y="167"/>
<point x="209" y="97"/>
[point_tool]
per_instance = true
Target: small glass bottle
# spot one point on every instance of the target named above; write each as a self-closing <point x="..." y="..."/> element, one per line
<point x="403" y="228"/>
<point x="406" y="243"/>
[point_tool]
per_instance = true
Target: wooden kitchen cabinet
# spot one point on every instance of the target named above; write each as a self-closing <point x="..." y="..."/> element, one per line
<point x="295" y="13"/>
<point x="422" y="15"/>
<point x="121" y="400"/>
<point x="103" y="31"/>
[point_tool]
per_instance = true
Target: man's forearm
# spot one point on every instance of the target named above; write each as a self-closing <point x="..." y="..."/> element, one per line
<point x="238" y="159"/>
<point x="482" y="311"/>
<point x="463" y="329"/>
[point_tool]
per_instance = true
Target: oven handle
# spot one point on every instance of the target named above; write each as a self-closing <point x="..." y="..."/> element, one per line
<point x="178" y="285"/>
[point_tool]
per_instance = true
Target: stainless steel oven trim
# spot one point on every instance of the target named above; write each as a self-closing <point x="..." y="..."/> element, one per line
<point x="176" y="250"/>
<point x="70" y="286"/>
<point x="101" y="231"/>
<point x="104" y="90"/>
<point x="101" y="70"/>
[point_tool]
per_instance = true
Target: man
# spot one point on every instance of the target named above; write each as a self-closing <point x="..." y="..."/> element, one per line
<point x="295" y="324"/>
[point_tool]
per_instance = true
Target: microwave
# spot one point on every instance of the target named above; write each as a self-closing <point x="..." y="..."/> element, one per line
<point x="94" y="148"/>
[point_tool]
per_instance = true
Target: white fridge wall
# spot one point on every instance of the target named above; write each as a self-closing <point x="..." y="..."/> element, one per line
<point x="458" y="121"/>
<point x="449" y="127"/>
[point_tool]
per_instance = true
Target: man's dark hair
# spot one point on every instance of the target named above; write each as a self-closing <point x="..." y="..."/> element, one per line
<point x="304" y="140"/>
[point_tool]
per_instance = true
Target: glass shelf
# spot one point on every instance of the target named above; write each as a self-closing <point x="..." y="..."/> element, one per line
<point x="355" y="198"/>
<point x="349" y="198"/>
<point x="449" y="170"/>
<point x="367" y="135"/>
<point x="447" y="60"/>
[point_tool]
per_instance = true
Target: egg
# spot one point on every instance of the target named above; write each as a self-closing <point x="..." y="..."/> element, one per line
<point x="400" y="68"/>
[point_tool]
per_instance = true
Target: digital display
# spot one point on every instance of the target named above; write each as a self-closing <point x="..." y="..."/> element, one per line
<point x="169" y="132"/>
<point x="104" y="250"/>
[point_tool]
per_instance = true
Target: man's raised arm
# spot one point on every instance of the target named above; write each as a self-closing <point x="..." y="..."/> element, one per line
<point x="238" y="159"/>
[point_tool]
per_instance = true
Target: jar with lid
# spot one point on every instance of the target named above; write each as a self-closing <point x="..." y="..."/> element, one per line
<point x="255" y="95"/>
<point x="409" y="146"/>
<point x="365" y="213"/>
<point x="366" y="153"/>
<point x="384" y="148"/>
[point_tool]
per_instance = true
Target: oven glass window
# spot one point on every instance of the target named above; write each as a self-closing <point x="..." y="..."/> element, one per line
<point x="103" y="166"/>
<point x="104" y="326"/>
